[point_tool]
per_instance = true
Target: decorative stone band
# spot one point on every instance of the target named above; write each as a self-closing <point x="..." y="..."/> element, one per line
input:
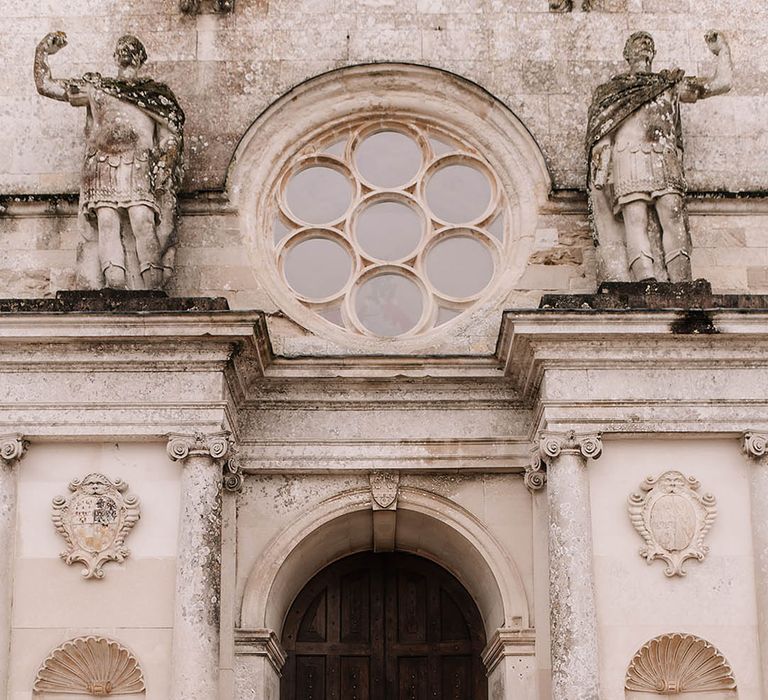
<point x="508" y="642"/>
<point x="552" y="445"/>
<point x="12" y="447"/>
<point x="217" y="446"/>
<point x="261" y="642"/>
<point x="756" y="444"/>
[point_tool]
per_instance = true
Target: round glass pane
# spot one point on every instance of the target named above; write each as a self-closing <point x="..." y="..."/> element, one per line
<point x="317" y="268"/>
<point x="459" y="266"/>
<point x="388" y="159"/>
<point x="388" y="230"/>
<point x="318" y="194"/>
<point x="458" y="193"/>
<point x="389" y="304"/>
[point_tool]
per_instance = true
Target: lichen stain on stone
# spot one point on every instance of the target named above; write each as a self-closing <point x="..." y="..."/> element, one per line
<point x="694" y="322"/>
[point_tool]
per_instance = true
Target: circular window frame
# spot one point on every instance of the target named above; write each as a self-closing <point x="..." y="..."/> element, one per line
<point x="387" y="95"/>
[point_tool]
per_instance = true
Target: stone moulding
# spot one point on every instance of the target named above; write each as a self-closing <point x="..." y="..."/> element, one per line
<point x="94" y="666"/>
<point x="261" y="642"/>
<point x="508" y="642"/>
<point x="94" y="521"/>
<point x="673" y="519"/>
<point x="679" y="663"/>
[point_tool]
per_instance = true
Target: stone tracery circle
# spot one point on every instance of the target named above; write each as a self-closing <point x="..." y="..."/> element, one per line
<point x="413" y="219"/>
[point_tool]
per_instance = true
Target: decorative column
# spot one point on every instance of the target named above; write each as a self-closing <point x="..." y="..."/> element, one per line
<point x="573" y="620"/>
<point x="12" y="447"/>
<point x="195" y="658"/>
<point x="756" y="447"/>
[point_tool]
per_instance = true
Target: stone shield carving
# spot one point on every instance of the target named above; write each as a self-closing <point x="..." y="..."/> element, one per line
<point x="384" y="489"/>
<point x="94" y="521"/>
<point x="673" y="519"/>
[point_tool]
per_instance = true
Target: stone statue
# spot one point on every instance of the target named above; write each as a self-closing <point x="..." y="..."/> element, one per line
<point x="132" y="168"/>
<point x="635" y="175"/>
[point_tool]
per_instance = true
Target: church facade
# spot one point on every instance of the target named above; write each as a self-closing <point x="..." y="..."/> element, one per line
<point x="357" y="349"/>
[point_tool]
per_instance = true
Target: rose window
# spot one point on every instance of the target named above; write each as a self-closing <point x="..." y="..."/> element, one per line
<point x="389" y="228"/>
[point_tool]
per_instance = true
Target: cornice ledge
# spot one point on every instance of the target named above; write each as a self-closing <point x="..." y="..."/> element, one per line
<point x="261" y="642"/>
<point x="534" y="340"/>
<point x="508" y="642"/>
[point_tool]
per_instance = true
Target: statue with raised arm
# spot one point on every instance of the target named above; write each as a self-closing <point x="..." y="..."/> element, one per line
<point x="131" y="171"/>
<point x="635" y="178"/>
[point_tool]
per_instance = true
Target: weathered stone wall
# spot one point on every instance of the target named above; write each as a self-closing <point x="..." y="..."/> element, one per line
<point x="227" y="68"/>
<point x="635" y="600"/>
<point x="133" y="603"/>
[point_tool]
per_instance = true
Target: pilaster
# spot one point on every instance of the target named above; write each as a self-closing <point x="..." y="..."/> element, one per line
<point x="756" y="448"/>
<point x="12" y="448"/>
<point x="573" y="619"/>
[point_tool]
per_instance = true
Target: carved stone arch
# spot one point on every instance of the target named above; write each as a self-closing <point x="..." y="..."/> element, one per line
<point x="429" y="525"/>
<point x="679" y="664"/>
<point x="89" y="667"/>
<point x="333" y="101"/>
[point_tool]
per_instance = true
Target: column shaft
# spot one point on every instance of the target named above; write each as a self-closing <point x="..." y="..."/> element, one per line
<point x="195" y="672"/>
<point x="573" y="620"/>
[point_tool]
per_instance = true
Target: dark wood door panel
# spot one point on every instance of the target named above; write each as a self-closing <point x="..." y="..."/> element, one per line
<point x="383" y="627"/>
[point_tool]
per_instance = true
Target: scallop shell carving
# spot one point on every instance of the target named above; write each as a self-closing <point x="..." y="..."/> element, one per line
<point x="679" y="663"/>
<point x="92" y="666"/>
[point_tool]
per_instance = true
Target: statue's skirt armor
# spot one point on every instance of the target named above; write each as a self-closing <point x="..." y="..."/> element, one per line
<point x="119" y="180"/>
<point x="646" y="171"/>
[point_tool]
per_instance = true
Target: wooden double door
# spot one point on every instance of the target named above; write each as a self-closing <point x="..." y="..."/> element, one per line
<point x="384" y="627"/>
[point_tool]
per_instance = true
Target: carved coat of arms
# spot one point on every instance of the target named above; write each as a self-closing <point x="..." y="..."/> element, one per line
<point x="673" y="519"/>
<point x="384" y="489"/>
<point x="95" y="520"/>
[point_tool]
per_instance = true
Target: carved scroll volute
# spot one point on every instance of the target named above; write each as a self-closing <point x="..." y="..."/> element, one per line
<point x="535" y="474"/>
<point x="94" y="521"/>
<point x="552" y="445"/>
<point x="756" y="444"/>
<point x="12" y="448"/>
<point x="217" y="446"/>
<point x="673" y="519"/>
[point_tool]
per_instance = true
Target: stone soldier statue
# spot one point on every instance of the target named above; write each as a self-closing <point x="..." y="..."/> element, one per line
<point x="131" y="171"/>
<point x="635" y="163"/>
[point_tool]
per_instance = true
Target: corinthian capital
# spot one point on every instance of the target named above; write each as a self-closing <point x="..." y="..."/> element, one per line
<point x="756" y="444"/>
<point x="12" y="447"/>
<point x="552" y="445"/>
<point x="214" y="445"/>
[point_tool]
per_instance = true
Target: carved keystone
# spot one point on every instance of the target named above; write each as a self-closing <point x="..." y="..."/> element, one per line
<point x="385" y="489"/>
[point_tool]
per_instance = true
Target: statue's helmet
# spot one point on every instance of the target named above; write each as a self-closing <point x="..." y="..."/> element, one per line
<point x="129" y="51"/>
<point x="639" y="43"/>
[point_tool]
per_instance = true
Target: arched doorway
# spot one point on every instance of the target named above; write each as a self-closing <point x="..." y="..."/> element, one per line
<point x="383" y="627"/>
